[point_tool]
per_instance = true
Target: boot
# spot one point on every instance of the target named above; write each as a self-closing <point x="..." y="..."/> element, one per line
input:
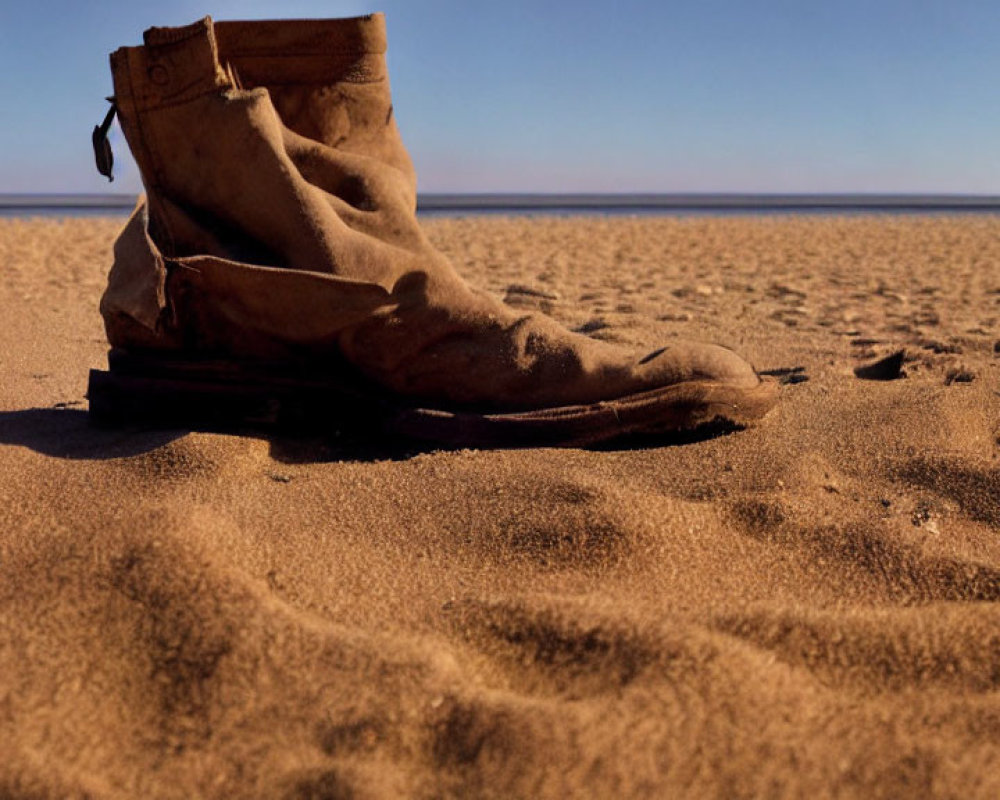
<point x="276" y="266"/>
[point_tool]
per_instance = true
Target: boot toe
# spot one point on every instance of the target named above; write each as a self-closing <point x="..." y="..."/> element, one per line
<point x="693" y="361"/>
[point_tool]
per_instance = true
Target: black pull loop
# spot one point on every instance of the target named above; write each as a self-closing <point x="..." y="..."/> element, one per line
<point x="103" y="156"/>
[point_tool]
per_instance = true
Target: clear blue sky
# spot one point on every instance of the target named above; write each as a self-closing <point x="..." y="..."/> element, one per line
<point x="553" y="95"/>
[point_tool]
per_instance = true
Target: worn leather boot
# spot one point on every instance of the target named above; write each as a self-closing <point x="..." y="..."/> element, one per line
<point x="276" y="263"/>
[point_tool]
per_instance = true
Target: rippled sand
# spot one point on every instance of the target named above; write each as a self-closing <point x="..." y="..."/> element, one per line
<point x="805" y="608"/>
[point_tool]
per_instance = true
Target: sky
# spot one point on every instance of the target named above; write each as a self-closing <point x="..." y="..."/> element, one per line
<point x="561" y="96"/>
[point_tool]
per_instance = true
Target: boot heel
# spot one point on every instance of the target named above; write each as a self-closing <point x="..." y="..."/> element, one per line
<point x="208" y="395"/>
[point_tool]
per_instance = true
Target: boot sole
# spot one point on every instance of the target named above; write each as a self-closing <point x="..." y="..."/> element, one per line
<point x="223" y="395"/>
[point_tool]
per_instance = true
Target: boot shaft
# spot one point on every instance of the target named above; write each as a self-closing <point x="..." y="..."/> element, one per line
<point x="327" y="81"/>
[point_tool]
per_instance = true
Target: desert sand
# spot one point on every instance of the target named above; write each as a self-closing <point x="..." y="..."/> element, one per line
<point x="805" y="608"/>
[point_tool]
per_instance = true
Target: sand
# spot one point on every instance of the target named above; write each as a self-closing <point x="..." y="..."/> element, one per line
<point x="806" y="608"/>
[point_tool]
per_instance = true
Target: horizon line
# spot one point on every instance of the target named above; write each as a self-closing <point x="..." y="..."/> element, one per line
<point x="431" y="201"/>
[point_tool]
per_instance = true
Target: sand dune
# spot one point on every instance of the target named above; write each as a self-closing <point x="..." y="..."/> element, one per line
<point x="806" y="608"/>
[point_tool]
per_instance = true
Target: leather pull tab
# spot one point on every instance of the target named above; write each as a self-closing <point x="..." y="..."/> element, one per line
<point x="103" y="156"/>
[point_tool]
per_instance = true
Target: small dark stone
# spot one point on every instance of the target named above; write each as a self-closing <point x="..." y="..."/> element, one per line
<point x="939" y="347"/>
<point x="592" y="326"/>
<point x="787" y="375"/>
<point x="885" y="369"/>
<point x="531" y="291"/>
<point x="960" y="375"/>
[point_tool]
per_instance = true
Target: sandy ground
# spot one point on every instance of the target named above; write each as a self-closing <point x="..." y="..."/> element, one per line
<point x="806" y="608"/>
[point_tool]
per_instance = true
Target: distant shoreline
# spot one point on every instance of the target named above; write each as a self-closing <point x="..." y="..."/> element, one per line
<point x="707" y="202"/>
<point x="580" y="203"/>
